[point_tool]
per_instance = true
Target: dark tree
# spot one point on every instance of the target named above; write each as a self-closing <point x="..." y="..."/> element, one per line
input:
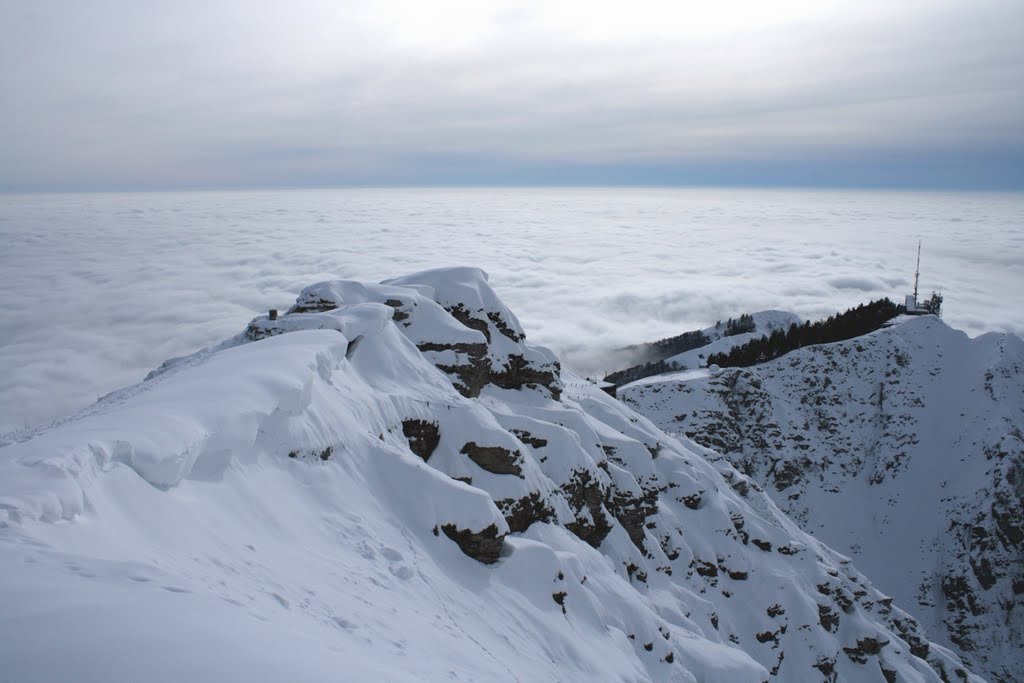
<point x="658" y="367"/>
<point x="852" y="323"/>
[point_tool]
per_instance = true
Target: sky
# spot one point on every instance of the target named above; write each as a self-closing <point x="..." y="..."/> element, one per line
<point x="118" y="94"/>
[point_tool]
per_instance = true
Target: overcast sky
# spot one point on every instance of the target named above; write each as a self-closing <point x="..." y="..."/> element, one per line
<point x="136" y="94"/>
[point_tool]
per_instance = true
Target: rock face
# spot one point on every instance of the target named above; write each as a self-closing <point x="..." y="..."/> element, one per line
<point x="547" y="531"/>
<point x="478" y="342"/>
<point x="483" y="546"/>
<point x="423" y="437"/>
<point x="903" y="449"/>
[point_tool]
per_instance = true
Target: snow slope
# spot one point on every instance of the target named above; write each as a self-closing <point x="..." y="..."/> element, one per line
<point x="389" y="483"/>
<point x="903" y="449"/>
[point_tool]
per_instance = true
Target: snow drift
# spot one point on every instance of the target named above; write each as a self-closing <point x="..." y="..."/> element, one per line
<point x="389" y="483"/>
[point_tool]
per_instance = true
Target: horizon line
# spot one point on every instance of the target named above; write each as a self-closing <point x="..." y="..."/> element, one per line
<point x="896" y="188"/>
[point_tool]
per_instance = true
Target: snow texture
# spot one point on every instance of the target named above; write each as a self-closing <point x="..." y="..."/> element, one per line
<point x="902" y="449"/>
<point x="334" y="496"/>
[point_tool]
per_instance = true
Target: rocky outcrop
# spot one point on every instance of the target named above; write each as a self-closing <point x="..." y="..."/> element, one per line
<point x="518" y="373"/>
<point x="483" y="546"/>
<point x="632" y="512"/>
<point x="423" y="436"/>
<point x="521" y="513"/>
<point x="494" y="459"/>
<point x="451" y="315"/>
<point x="586" y="500"/>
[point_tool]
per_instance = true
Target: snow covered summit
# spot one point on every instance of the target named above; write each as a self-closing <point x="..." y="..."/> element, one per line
<point x="389" y="483"/>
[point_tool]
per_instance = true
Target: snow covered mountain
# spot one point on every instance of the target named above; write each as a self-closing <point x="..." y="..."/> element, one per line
<point x="690" y="349"/>
<point x="389" y="483"/>
<point x="720" y="341"/>
<point x="901" y="448"/>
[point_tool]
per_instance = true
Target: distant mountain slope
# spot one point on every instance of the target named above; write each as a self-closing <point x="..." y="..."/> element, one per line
<point x="851" y="323"/>
<point x="902" y="448"/>
<point x="389" y="483"/>
<point x="689" y="350"/>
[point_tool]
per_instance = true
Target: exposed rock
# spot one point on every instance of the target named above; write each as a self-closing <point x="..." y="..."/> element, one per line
<point x="586" y="499"/>
<point x="704" y="568"/>
<point x="522" y="512"/>
<point x="529" y="439"/>
<point x="504" y="327"/>
<point x="828" y="619"/>
<point x="864" y="648"/>
<point x="692" y="501"/>
<point x="484" y="546"/>
<point x="494" y="459"/>
<point x="322" y="455"/>
<point x="399" y="315"/>
<point x="632" y="512"/>
<point x="470" y="376"/>
<point x="826" y="666"/>
<point x="460" y="313"/>
<point x="423" y="436"/>
<point x="261" y="329"/>
<point x="312" y="303"/>
<point x="517" y="374"/>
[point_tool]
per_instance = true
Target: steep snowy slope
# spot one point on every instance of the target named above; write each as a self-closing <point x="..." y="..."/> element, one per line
<point x="903" y="449"/>
<point x="388" y="483"/>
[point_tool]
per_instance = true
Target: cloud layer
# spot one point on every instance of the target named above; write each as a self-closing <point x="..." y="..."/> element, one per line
<point x="98" y="289"/>
<point x="117" y="94"/>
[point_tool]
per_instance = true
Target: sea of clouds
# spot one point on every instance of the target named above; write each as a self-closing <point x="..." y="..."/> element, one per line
<point x="98" y="289"/>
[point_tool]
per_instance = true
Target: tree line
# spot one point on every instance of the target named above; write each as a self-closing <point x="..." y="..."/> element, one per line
<point x="851" y="323"/>
<point x="655" y="354"/>
<point x="658" y="367"/>
<point x="745" y="323"/>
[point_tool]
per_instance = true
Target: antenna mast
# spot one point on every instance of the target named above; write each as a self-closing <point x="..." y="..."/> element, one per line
<point x="917" y="271"/>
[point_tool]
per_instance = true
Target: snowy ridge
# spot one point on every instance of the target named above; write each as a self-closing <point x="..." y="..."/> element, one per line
<point x="765" y="322"/>
<point x="910" y="432"/>
<point x="388" y="482"/>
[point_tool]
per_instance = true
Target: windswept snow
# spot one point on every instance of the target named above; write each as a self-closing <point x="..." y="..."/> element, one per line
<point x="389" y="483"/>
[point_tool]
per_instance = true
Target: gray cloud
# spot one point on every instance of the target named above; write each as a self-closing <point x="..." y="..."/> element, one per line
<point x="126" y="94"/>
